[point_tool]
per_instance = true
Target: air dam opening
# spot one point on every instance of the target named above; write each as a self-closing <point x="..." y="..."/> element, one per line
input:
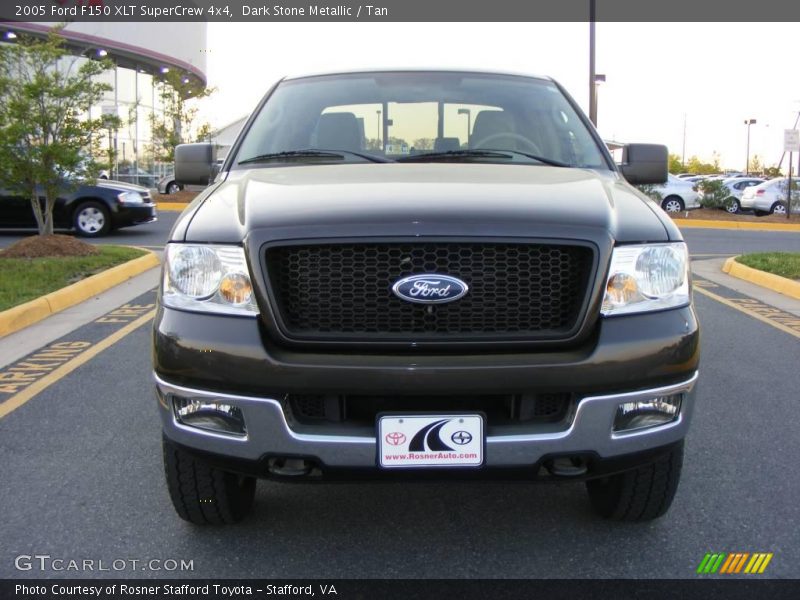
<point x="358" y="410"/>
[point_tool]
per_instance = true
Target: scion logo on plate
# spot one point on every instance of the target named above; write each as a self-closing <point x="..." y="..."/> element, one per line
<point x="430" y="288"/>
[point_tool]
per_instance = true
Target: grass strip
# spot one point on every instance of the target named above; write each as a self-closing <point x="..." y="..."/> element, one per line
<point x="785" y="264"/>
<point x="25" y="279"/>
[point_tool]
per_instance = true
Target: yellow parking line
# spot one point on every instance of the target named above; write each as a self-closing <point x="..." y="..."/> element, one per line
<point x="14" y="402"/>
<point x="746" y="311"/>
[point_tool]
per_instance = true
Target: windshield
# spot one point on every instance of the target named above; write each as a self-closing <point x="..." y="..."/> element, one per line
<point x="413" y="116"/>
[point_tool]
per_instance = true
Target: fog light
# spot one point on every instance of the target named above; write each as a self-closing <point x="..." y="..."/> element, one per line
<point x="650" y="412"/>
<point x="210" y="415"/>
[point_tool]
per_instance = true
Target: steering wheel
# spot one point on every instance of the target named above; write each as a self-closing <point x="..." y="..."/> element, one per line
<point x="529" y="145"/>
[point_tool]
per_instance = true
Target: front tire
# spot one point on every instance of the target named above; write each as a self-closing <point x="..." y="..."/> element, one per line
<point x="203" y="494"/>
<point x="173" y="188"/>
<point x="642" y="494"/>
<point x="91" y="219"/>
<point x="732" y="206"/>
<point x="672" y="204"/>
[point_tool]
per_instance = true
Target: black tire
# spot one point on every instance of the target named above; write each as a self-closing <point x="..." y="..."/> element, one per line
<point x="673" y="204"/>
<point x="777" y="205"/>
<point x="205" y="495"/>
<point x="173" y="187"/>
<point x="732" y="206"/>
<point x="642" y="494"/>
<point x="91" y="219"/>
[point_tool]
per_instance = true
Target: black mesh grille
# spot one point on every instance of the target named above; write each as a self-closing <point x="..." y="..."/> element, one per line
<point x="343" y="291"/>
<point x="359" y="409"/>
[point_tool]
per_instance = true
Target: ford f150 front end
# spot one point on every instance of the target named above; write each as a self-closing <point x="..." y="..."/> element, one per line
<point x="376" y="287"/>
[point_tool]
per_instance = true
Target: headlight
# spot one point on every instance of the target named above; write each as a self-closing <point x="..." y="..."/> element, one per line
<point x="130" y="198"/>
<point x="208" y="278"/>
<point x="647" y="278"/>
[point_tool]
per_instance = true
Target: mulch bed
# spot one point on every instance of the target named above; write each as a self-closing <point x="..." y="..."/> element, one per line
<point x="38" y="246"/>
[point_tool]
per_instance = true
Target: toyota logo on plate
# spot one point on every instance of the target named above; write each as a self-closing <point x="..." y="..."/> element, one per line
<point x="395" y="438"/>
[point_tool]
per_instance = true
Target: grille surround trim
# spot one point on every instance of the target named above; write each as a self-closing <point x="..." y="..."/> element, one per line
<point x="276" y="323"/>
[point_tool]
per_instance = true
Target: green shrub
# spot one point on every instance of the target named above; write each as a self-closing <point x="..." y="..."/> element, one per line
<point x="713" y="194"/>
<point x="651" y="191"/>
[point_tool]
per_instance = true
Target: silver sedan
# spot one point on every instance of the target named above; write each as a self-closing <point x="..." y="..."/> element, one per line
<point x="770" y="197"/>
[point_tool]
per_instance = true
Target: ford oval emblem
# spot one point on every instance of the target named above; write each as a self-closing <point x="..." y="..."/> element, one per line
<point x="430" y="288"/>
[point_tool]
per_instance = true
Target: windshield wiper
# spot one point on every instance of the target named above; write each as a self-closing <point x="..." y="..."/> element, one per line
<point x="480" y="153"/>
<point x="541" y="159"/>
<point x="310" y="153"/>
<point x="455" y="154"/>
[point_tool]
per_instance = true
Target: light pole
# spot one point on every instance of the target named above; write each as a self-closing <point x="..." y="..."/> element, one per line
<point x="598" y="79"/>
<point x="379" y="126"/>
<point x="683" y="150"/>
<point x="468" y="112"/>
<point x="748" y="122"/>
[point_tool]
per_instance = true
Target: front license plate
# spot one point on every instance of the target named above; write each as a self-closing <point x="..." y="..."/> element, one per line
<point x="430" y="441"/>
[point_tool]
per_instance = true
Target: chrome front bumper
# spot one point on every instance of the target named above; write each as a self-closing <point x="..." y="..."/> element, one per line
<point x="268" y="432"/>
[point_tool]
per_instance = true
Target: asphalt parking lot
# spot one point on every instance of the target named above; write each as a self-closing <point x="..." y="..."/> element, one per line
<point x="82" y="476"/>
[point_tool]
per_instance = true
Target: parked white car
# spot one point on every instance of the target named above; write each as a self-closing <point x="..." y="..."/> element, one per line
<point x="677" y="195"/>
<point x="770" y="197"/>
<point x="737" y="186"/>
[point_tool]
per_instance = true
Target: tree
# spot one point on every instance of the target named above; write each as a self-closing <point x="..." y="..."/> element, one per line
<point x="46" y="135"/>
<point x="423" y="144"/>
<point x="755" y="165"/>
<point x="110" y="124"/>
<point x="174" y="125"/>
<point x="713" y="193"/>
<point x="675" y="164"/>
<point x="696" y="166"/>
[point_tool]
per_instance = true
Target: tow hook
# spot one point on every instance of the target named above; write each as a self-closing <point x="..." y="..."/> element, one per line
<point x="289" y="467"/>
<point x="566" y="466"/>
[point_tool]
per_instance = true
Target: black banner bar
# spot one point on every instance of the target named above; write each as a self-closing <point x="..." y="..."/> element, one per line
<point x="711" y="588"/>
<point x="373" y="11"/>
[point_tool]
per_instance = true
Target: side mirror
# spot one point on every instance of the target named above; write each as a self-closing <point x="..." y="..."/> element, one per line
<point x="195" y="163"/>
<point x="644" y="163"/>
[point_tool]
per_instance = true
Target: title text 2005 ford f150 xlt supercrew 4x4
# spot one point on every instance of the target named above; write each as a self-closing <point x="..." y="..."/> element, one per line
<point x="399" y="274"/>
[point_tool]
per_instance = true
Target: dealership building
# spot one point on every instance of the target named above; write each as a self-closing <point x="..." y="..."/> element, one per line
<point x="142" y="56"/>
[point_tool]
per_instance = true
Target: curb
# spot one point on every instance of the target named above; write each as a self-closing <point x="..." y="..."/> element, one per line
<point x="707" y="224"/>
<point x="171" y="206"/>
<point x="22" y="316"/>
<point x="776" y="283"/>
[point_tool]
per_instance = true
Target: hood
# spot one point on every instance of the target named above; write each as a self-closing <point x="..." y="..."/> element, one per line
<point x="438" y="199"/>
<point x="122" y="186"/>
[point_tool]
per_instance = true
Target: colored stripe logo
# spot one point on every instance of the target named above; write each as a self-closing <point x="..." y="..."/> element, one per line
<point x="734" y="562"/>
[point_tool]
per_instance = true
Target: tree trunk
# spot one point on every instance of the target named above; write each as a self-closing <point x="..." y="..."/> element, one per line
<point x="36" y="206"/>
<point x="49" y="205"/>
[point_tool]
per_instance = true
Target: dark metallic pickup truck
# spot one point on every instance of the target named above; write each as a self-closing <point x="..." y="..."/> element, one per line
<point x="415" y="274"/>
